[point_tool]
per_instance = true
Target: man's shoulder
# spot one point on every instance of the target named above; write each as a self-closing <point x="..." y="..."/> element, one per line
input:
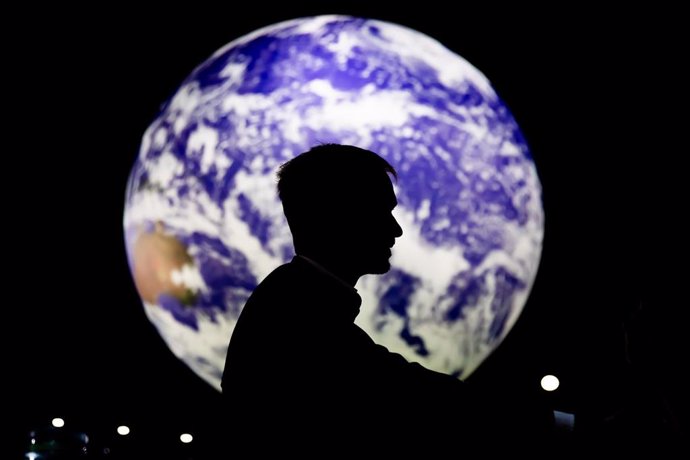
<point x="285" y="275"/>
<point x="286" y="283"/>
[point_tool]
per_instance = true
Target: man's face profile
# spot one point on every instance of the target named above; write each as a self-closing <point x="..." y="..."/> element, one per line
<point x="338" y="200"/>
<point x="367" y="228"/>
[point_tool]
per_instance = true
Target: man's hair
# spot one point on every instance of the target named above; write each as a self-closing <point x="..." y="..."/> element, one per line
<point x="327" y="177"/>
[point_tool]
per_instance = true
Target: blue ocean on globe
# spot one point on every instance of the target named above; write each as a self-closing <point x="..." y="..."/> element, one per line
<point x="203" y="223"/>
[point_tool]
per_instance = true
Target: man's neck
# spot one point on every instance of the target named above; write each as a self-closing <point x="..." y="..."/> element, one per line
<point x="332" y="269"/>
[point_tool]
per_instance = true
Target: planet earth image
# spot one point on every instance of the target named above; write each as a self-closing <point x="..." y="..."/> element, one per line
<point x="203" y="224"/>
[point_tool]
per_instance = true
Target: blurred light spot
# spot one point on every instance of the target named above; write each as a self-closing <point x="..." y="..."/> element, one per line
<point x="123" y="430"/>
<point x="58" y="422"/>
<point x="186" y="438"/>
<point x="549" y="382"/>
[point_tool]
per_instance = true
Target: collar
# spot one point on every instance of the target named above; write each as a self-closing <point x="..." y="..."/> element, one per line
<point x="323" y="269"/>
<point x="351" y="301"/>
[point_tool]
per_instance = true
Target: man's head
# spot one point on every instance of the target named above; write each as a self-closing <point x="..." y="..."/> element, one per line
<point x="338" y="201"/>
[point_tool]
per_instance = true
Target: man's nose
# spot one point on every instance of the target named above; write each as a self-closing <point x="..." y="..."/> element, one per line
<point x="397" y="229"/>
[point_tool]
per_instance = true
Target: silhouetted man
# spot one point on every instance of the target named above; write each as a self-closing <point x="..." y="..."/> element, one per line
<point x="298" y="368"/>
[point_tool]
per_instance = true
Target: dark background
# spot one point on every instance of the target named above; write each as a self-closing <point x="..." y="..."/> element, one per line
<point x="584" y="85"/>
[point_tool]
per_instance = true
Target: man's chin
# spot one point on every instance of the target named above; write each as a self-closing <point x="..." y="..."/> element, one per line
<point x="380" y="268"/>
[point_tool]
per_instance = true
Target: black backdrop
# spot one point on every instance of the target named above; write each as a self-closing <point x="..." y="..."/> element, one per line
<point x="90" y="82"/>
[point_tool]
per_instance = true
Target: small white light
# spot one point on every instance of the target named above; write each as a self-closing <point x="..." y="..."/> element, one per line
<point x="186" y="438"/>
<point x="33" y="441"/>
<point x="123" y="430"/>
<point x="549" y="382"/>
<point x="58" y="422"/>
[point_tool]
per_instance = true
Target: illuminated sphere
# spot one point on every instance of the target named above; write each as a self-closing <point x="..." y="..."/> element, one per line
<point x="203" y="223"/>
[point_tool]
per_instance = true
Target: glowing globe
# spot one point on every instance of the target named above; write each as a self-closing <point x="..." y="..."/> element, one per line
<point x="203" y="223"/>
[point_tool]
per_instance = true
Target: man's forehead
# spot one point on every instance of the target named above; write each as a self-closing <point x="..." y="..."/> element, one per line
<point x="378" y="195"/>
